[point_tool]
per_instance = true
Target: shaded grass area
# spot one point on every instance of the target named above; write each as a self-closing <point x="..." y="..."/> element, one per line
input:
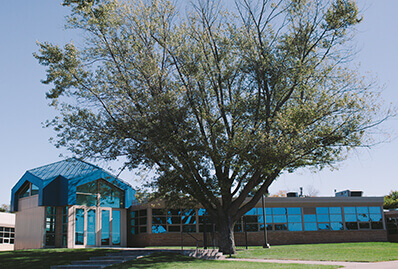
<point x="164" y="260"/>
<point x="44" y="258"/>
<point x="355" y="252"/>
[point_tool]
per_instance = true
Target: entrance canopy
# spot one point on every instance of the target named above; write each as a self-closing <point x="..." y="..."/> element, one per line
<point x="59" y="184"/>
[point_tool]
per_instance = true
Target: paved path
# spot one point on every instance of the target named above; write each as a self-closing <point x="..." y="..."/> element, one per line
<point x="364" y="265"/>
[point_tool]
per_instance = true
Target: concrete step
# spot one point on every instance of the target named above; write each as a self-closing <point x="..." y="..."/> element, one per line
<point x="124" y="258"/>
<point x="75" y="266"/>
<point x="96" y="262"/>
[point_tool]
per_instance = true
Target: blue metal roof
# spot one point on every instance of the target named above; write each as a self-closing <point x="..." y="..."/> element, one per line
<point x="57" y="182"/>
<point x="70" y="169"/>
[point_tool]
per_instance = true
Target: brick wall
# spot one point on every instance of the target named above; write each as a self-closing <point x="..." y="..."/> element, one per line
<point x="257" y="238"/>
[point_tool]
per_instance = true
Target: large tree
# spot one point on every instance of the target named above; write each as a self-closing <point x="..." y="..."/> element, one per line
<point x="217" y="102"/>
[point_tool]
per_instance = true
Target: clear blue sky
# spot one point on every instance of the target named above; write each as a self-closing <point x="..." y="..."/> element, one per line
<point x="24" y="143"/>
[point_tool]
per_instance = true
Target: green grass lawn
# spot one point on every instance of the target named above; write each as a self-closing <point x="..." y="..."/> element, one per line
<point x="171" y="260"/>
<point x="44" y="258"/>
<point x="358" y="252"/>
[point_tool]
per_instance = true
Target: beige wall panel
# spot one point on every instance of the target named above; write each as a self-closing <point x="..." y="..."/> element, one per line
<point x="29" y="226"/>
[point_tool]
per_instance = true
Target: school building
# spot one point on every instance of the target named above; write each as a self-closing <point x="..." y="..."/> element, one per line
<point x="75" y="204"/>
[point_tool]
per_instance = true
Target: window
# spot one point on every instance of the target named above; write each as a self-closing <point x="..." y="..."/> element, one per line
<point x="7" y="235"/>
<point x="138" y="221"/>
<point x="173" y="220"/>
<point x="50" y="226"/>
<point x="363" y="218"/>
<point x="99" y="193"/>
<point x="28" y="189"/>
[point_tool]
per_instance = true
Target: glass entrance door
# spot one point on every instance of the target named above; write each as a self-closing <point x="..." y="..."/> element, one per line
<point x="97" y="226"/>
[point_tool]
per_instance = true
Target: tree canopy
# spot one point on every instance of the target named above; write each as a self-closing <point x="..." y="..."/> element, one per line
<point x="218" y="102"/>
<point x="391" y="200"/>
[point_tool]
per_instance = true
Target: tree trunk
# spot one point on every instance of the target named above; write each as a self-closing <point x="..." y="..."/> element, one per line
<point x="226" y="240"/>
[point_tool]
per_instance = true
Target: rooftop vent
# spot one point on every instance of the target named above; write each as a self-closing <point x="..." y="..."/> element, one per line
<point x="292" y="194"/>
<point x="348" y="193"/>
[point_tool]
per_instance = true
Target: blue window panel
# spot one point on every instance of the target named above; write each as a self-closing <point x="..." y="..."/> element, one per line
<point x="310" y="226"/>
<point x="350" y="217"/>
<point x="280" y="227"/>
<point x="336" y="226"/>
<point x="268" y="219"/>
<point x="310" y="218"/>
<point x="295" y="226"/>
<point x="280" y="218"/>
<point x="188" y="212"/>
<point x="336" y="218"/>
<point x="349" y="210"/>
<point x="362" y="210"/>
<point x="79" y="227"/>
<point x="91" y="227"/>
<point x="268" y="211"/>
<point x="158" y="229"/>
<point x="363" y="217"/>
<point x="201" y="211"/>
<point x="116" y="228"/>
<point x="374" y="209"/>
<point x="375" y="217"/>
<point x="252" y="211"/>
<point x="279" y="211"/>
<point x="335" y="210"/>
<point x="323" y="226"/>
<point x="322" y="218"/>
<point x="294" y="210"/>
<point x="322" y="210"/>
<point x="105" y="229"/>
<point x="294" y="218"/>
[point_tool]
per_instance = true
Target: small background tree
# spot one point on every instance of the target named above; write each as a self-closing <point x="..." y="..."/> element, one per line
<point x="391" y="200"/>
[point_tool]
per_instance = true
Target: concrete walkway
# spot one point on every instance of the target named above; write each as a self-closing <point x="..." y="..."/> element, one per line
<point x="364" y="265"/>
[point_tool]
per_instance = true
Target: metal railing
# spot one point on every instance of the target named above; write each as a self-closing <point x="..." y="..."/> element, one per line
<point x="182" y="240"/>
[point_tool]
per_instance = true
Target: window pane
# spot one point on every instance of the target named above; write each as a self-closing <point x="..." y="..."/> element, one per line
<point x="250" y="219"/>
<point x="79" y="229"/>
<point x="336" y="226"/>
<point x="158" y="220"/>
<point x="323" y="218"/>
<point x="280" y="227"/>
<point x="174" y="212"/>
<point x="309" y="218"/>
<point x="336" y="218"/>
<point x="191" y="228"/>
<point x="158" y="212"/>
<point x="280" y="218"/>
<point x="86" y="199"/>
<point x="323" y="226"/>
<point x="322" y="210"/>
<point x="364" y="225"/>
<point x="377" y="225"/>
<point x="363" y="217"/>
<point x="295" y="226"/>
<point x="251" y="227"/>
<point x="142" y="212"/>
<point x="376" y="217"/>
<point x="173" y="220"/>
<point x="174" y="229"/>
<point x="201" y="211"/>
<point x="158" y="229"/>
<point x="91" y="227"/>
<point x="335" y="210"/>
<point x="350" y="217"/>
<point x="374" y="209"/>
<point x="34" y="190"/>
<point x="351" y="225"/>
<point x="349" y="210"/>
<point x="279" y="211"/>
<point x="110" y="196"/>
<point x="105" y="227"/>
<point x="188" y="220"/>
<point x="294" y="210"/>
<point x="24" y="192"/>
<point x="268" y="211"/>
<point x="294" y="218"/>
<point x="115" y="227"/>
<point x="362" y="210"/>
